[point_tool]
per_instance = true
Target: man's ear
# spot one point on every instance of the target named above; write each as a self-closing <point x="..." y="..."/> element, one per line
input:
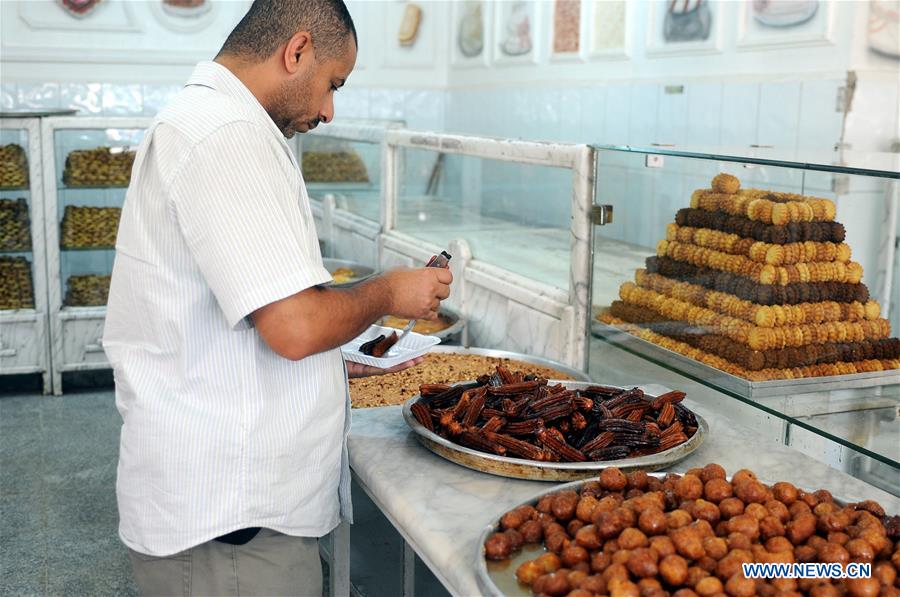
<point x="298" y="48"/>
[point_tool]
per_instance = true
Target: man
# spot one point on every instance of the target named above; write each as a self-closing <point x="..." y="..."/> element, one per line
<point x="224" y="344"/>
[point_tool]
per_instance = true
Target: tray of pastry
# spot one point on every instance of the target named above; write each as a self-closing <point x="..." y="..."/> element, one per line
<point x="554" y="431"/>
<point x="740" y="386"/>
<point x="623" y="534"/>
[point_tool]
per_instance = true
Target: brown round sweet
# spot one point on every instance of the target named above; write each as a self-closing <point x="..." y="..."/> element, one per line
<point x="515" y="539"/>
<point x="862" y="587"/>
<point x="652" y="521"/>
<point x="832" y="553"/>
<point x="612" y="479"/>
<point x="824" y="590"/>
<point x="732" y="563"/>
<point x="573" y="526"/>
<point x="740" y="586"/>
<point x="573" y="554"/>
<point x="885" y="573"/>
<point x="638" y="480"/>
<point x="805" y="553"/>
<point x="556" y="542"/>
<point x="756" y="510"/>
<point x="731" y="507"/>
<point x="532" y="531"/>
<point x="785" y="493"/>
<point x="677" y="519"/>
<point x="609" y="524"/>
<point x="663" y="545"/>
<point x="564" y="504"/>
<point x="545" y="504"/>
<point x="860" y="549"/>
<point x="716" y="490"/>
<point x="549" y="562"/>
<point x="684" y="593"/>
<point x="799" y="507"/>
<point x="770" y="527"/>
<point x="833" y="521"/>
<point x="689" y="487"/>
<point x="742" y="476"/>
<point x="823" y="495"/>
<point x="555" y="583"/>
<point x="615" y="571"/>
<point x="776" y="544"/>
<point x="801" y="528"/>
<point x="709" y="585"/>
<point x="623" y="588"/>
<point x="593" y="583"/>
<point x="588" y="537"/>
<point x="779" y="510"/>
<point x="688" y="542"/>
<point x="712" y="471"/>
<point x="715" y="547"/>
<point x="513" y="519"/>
<point x="839" y="538"/>
<point x="580" y="593"/>
<point x="674" y="570"/>
<point x="745" y="524"/>
<point x="738" y="541"/>
<point x="497" y="547"/>
<point x="632" y="538"/>
<point x="751" y="491"/>
<point x="704" y="510"/>
<point x="528" y="572"/>
<point x="642" y="563"/>
<point x="621" y="556"/>
<point x="585" y="508"/>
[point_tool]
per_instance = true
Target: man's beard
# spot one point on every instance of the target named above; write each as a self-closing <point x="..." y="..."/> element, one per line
<point x="283" y="108"/>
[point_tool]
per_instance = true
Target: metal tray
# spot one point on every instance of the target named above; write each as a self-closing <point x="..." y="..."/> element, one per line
<point x="575" y="374"/>
<point x="362" y="271"/>
<point x="448" y="334"/>
<point x="520" y="468"/>
<point x="738" y="385"/>
<point x="498" y="579"/>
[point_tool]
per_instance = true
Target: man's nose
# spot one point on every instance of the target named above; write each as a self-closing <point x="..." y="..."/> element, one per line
<point x="326" y="114"/>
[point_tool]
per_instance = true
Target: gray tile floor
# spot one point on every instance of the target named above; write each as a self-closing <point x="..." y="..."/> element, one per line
<point x="58" y="516"/>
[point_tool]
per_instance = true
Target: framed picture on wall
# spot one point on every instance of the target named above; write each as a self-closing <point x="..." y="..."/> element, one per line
<point x="608" y="28"/>
<point x="567" y="29"/>
<point x="470" y="33"/>
<point x="409" y="35"/>
<point x="516" y="32"/>
<point x="684" y="27"/>
<point x="785" y="23"/>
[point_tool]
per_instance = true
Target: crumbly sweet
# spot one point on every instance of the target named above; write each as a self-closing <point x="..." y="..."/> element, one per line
<point x="13" y="167"/>
<point x="100" y="167"/>
<point x="438" y="368"/>
<point x="15" y="225"/>
<point x="793" y="232"/>
<point x="760" y="252"/>
<point x="85" y="227"/>
<point x="16" y="288"/>
<point x="766" y="207"/>
<point x="761" y="273"/>
<point x="87" y="291"/>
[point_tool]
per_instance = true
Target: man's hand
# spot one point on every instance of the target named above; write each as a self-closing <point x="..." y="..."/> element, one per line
<point x="360" y="370"/>
<point x="417" y="293"/>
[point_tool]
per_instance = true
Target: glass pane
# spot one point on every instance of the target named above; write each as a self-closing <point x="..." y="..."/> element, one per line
<point x="93" y="169"/>
<point x="776" y="275"/>
<point x="348" y="170"/>
<point x="16" y="272"/>
<point x="514" y="216"/>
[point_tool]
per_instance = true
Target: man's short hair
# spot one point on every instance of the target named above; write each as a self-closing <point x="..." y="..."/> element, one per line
<point x="270" y="23"/>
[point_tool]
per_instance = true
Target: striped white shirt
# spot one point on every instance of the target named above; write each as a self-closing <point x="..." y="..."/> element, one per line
<point x="219" y="432"/>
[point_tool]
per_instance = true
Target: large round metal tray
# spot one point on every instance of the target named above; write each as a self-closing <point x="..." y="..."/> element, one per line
<point x="498" y="579"/>
<point x="457" y="325"/>
<point x="575" y="374"/>
<point x="362" y="271"/>
<point x="520" y="468"/>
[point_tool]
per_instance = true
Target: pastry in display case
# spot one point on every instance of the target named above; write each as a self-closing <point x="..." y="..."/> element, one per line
<point x="99" y="167"/>
<point x="15" y="225"/>
<point x="87" y="290"/>
<point x="86" y="227"/>
<point x="334" y="166"/>
<point x="13" y="167"/>
<point x="760" y="285"/>
<point x="16" y="287"/>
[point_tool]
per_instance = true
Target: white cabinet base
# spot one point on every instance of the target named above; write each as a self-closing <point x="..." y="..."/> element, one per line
<point x="23" y="344"/>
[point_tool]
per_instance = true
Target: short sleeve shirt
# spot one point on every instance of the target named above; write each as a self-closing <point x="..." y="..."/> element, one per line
<point x="219" y="432"/>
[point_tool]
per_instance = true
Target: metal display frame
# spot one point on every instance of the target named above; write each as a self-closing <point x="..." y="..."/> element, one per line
<point x="23" y="327"/>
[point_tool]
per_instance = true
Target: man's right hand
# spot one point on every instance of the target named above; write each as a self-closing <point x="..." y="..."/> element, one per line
<point x="417" y="293"/>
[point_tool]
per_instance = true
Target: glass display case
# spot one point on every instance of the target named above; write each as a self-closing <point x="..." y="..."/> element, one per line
<point x="763" y="278"/>
<point x="519" y="212"/>
<point x="87" y="170"/>
<point x="342" y="165"/>
<point x="23" y="274"/>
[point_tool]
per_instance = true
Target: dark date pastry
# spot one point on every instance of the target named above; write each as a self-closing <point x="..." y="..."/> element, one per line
<point x="794" y="232"/>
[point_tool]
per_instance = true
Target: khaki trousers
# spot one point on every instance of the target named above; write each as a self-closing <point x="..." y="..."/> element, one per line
<point x="270" y="564"/>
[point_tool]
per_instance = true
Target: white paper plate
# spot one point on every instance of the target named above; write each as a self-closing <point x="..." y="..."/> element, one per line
<point x="412" y="346"/>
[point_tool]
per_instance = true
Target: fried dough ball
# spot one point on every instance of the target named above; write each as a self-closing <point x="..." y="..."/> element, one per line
<point x="885" y="573"/>
<point x="497" y="547"/>
<point x="663" y="545"/>
<point x="862" y="587"/>
<point x="528" y="572"/>
<point x="638" y="480"/>
<point x="677" y="519"/>
<point x="751" y="492"/>
<point x="709" y="585"/>
<point x="573" y="526"/>
<point x="708" y="511"/>
<point x="632" y="538"/>
<point x="715" y="547"/>
<point x="743" y="476"/>
<point x="688" y="542"/>
<point x="573" y="554"/>
<point x="689" y="487"/>
<point x="726" y="183"/>
<point x="715" y="490"/>
<point x="585" y="508"/>
<point x="612" y="479"/>
<point x="532" y="531"/>
<point x="653" y="522"/>
<point x="588" y="537"/>
<point x="564" y="504"/>
<point x="674" y="570"/>
<point x="712" y="471"/>
<point x="740" y="586"/>
<point x="731" y="507"/>
<point x="801" y="528"/>
<point x="745" y="524"/>
<point x="642" y="563"/>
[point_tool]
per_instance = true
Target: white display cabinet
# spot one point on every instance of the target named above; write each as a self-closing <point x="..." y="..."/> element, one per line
<point x="24" y="310"/>
<point x="84" y="195"/>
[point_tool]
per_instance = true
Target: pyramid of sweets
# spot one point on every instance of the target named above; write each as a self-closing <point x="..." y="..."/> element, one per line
<point x="87" y="291"/>
<point x="333" y="166"/>
<point x="758" y="284"/>
<point x="16" y="290"/>
<point x="15" y="225"/>
<point x="100" y="167"/>
<point x="89" y="227"/>
<point x="13" y="167"/>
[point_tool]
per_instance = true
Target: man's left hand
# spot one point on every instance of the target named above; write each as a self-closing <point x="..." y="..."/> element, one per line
<point x="360" y="370"/>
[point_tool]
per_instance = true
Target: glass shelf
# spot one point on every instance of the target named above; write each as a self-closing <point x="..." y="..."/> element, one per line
<point x="878" y="164"/>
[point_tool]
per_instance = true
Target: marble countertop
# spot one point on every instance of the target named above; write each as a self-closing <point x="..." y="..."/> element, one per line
<point x="441" y="508"/>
